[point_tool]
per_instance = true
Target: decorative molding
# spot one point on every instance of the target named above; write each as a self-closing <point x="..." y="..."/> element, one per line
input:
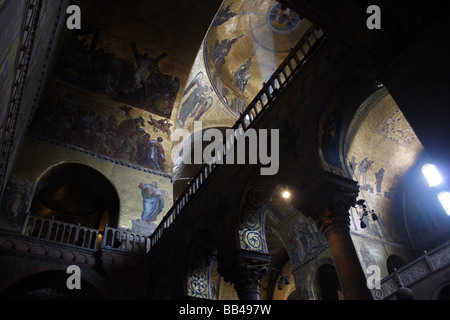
<point x="17" y="244"/>
<point x="252" y="219"/>
<point x="21" y="69"/>
<point x="44" y="73"/>
<point x="22" y="65"/>
<point x="418" y="270"/>
<point x="391" y="244"/>
<point x="311" y="257"/>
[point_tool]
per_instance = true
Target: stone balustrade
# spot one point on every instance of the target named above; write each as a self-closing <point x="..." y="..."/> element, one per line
<point x="51" y="230"/>
<point x="414" y="272"/>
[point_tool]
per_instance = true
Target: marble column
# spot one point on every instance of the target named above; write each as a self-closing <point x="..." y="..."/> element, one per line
<point x="349" y="270"/>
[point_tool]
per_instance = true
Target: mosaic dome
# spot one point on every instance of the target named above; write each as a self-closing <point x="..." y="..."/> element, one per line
<point x="245" y="44"/>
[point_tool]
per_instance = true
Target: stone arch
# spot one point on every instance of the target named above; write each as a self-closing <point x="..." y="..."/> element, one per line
<point x="76" y="193"/>
<point x="251" y="217"/>
<point x="305" y="277"/>
<point x="394" y="262"/>
<point x="185" y="150"/>
<point x="51" y="285"/>
<point x="311" y="286"/>
<point x="442" y="292"/>
<point x="285" y="284"/>
<point x="337" y="114"/>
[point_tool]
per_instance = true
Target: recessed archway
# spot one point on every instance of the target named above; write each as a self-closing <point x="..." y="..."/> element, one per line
<point x="443" y="292"/>
<point x="76" y="193"/>
<point x="327" y="283"/>
<point x="394" y="262"/>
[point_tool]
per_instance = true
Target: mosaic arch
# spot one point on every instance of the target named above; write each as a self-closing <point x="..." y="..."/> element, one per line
<point x="244" y="45"/>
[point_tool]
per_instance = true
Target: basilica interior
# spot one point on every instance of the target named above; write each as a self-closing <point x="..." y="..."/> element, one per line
<point x="101" y="125"/>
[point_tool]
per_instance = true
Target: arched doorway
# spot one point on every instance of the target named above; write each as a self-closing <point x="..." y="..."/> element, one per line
<point x="444" y="293"/>
<point x="327" y="283"/>
<point x="394" y="262"/>
<point x="77" y="194"/>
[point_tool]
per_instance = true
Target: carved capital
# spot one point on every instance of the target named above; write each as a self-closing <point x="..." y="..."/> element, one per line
<point x="246" y="272"/>
<point x="249" y="276"/>
<point x="329" y="199"/>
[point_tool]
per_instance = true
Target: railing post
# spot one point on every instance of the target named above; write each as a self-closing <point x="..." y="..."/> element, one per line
<point x="25" y="224"/>
<point x="429" y="262"/>
<point x="77" y="233"/>
<point x="294" y="55"/>
<point x="50" y="228"/>
<point x="105" y="235"/>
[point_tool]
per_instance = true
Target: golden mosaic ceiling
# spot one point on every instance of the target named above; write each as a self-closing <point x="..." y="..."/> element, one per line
<point x="245" y="44"/>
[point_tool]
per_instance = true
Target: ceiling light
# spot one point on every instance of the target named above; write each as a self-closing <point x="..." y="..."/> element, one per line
<point x="286" y="195"/>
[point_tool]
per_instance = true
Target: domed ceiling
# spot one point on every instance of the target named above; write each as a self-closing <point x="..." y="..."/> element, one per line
<point x="381" y="148"/>
<point x="245" y="44"/>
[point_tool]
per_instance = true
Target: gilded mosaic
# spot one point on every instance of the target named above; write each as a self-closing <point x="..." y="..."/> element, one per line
<point x="121" y="71"/>
<point x="383" y="149"/>
<point x="245" y="45"/>
<point x="117" y="131"/>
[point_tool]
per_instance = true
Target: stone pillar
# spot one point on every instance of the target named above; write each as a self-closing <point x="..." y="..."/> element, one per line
<point x="349" y="270"/>
<point x="328" y="203"/>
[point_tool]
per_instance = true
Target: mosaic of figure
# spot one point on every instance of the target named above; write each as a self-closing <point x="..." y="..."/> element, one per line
<point x="242" y="75"/>
<point x="305" y="240"/>
<point x="17" y="197"/>
<point x="223" y="16"/>
<point x="156" y="156"/>
<point x="364" y="166"/>
<point x="331" y="137"/>
<point x="68" y="120"/>
<point x="160" y="125"/>
<point x="153" y="201"/>
<point x="222" y="49"/>
<point x="379" y="175"/>
<point x="145" y="65"/>
<point x="197" y="103"/>
<point x="139" y="82"/>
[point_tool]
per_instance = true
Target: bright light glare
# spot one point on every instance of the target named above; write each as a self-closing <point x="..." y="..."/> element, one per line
<point x="286" y="194"/>
<point x="444" y="198"/>
<point x="432" y="175"/>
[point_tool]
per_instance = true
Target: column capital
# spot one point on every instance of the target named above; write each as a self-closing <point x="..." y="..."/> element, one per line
<point x="245" y="271"/>
<point x="328" y="200"/>
<point x="247" y="281"/>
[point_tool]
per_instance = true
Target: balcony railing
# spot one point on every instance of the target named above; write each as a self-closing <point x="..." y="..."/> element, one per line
<point x="125" y="240"/>
<point x="414" y="272"/>
<point x="281" y="77"/>
<point x="68" y="234"/>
